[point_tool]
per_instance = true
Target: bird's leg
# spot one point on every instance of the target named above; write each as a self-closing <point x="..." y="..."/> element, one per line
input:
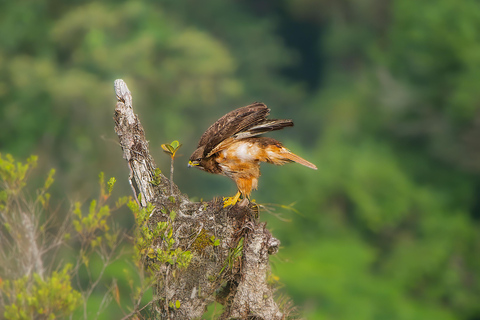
<point x="245" y="201"/>
<point x="230" y="201"/>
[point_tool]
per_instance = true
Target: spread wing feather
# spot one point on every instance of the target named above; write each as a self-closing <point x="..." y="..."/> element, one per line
<point x="252" y="131"/>
<point x="232" y="123"/>
<point x="240" y="123"/>
<point x="264" y="127"/>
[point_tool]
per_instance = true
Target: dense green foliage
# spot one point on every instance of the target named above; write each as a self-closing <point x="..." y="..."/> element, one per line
<point x="51" y="299"/>
<point x="54" y="262"/>
<point x="385" y="101"/>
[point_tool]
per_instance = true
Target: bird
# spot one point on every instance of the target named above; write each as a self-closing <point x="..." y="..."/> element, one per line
<point x="233" y="147"/>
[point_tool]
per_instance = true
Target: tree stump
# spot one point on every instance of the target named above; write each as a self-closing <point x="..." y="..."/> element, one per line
<point x="229" y="247"/>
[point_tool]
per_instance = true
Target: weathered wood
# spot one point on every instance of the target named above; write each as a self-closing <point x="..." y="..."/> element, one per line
<point x="214" y="274"/>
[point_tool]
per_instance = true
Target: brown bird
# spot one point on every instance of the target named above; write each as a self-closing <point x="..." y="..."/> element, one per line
<point x="230" y="147"/>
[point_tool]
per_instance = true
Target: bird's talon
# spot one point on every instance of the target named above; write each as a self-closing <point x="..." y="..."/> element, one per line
<point x="231" y="201"/>
<point x="228" y="201"/>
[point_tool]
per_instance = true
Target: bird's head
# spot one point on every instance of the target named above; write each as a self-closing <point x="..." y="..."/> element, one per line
<point x="196" y="159"/>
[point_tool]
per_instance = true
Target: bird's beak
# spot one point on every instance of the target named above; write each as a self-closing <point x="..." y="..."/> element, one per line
<point x="192" y="164"/>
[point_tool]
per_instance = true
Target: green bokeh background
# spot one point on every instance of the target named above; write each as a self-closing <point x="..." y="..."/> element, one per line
<point x="385" y="96"/>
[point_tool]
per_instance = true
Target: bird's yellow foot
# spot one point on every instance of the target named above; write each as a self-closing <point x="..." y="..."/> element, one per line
<point x="231" y="201"/>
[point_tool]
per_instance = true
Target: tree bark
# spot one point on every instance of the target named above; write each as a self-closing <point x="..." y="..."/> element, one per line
<point x="232" y="271"/>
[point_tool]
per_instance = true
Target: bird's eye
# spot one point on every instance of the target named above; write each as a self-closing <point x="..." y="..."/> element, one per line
<point x="198" y="160"/>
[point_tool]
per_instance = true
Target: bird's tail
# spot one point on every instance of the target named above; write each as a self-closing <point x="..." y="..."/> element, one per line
<point x="293" y="157"/>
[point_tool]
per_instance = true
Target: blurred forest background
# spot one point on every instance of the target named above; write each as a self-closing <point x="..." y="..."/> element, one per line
<point x="384" y="95"/>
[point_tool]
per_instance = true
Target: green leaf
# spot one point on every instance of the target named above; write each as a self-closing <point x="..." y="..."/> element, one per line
<point x="173" y="214"/>
<point x="175" y="144"/>
<point x="168" y="148"/>
<point x="110" y="184"/>
<point x="49" y="180"/>
<point x="177" y="304"/>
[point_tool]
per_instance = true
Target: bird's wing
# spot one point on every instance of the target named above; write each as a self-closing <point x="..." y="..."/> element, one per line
<point x="221" y="146"/>
<point x="253" y="130"/>
<point x="264" y="126"/>
<point x="238" y="124"/>
<point x="232" y="123"/>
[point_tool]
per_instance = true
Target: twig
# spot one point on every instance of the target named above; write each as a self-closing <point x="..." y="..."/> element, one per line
<point x="171" y="176"/>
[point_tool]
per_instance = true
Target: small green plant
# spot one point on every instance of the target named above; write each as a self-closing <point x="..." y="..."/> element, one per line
<point x="171" y="149"/>
<point x="93" y="228"/>
<point x="146" y="234"/>
<point x="175" y="305"/>
<point x="233" y="255"/>
<point x="156" y="177"/>
<point x="215" y="241"/>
